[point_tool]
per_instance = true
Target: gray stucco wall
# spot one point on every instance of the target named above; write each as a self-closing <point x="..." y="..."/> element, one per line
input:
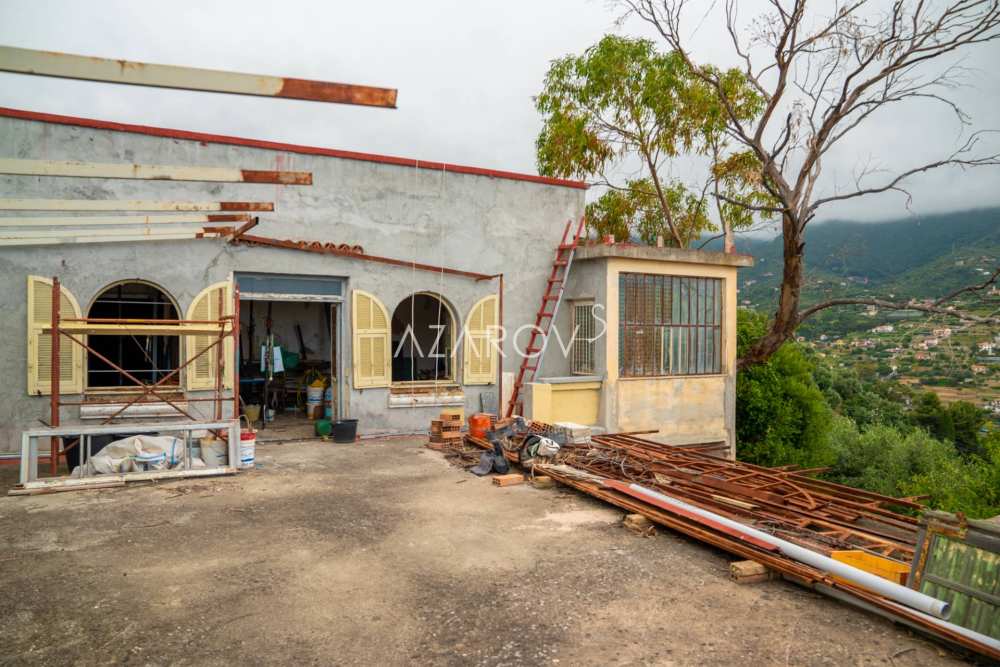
<point x="587" y="282"/>
<point x="477" y="223"/>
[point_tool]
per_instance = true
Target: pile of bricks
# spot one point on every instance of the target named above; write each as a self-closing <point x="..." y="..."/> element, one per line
<point x="447" y="429"/>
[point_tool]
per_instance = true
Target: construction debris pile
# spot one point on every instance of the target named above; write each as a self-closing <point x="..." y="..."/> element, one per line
<point x="851" y="544"/>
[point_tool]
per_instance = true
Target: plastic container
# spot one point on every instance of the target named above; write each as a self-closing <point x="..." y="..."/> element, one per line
<point x="323" y="427"/>
<point x="328" y="403"/>
<point x="290" y="359"/>
<point x="479" y="424"/>
<point x="886" y="568"/>
<point x="248" y="447"/>
<point x="314" y="400"/>
<point x="252" y="412"/>
<point x="213" y="453"/>
<point x="345" y="430"/>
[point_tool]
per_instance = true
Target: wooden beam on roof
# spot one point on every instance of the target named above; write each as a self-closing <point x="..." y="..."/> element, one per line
<point x="41" y="234"/>
<point x="72" y="240"/>
<point x="150" y="172"/>
<point x="71" y="66"/>
<point x="130" y="205"/>
<point x="87" y="220"/>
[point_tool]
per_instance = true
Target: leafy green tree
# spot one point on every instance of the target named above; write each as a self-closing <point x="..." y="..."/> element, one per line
<point x="893" y="462"/>
<point x="781" y="415"/>
<point x="967" y="420"/>
<point x="931" y="414"/>
<point x="621" y="104"/>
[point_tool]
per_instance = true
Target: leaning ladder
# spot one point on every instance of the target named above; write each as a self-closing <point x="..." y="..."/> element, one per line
<point x="544" y="318"/>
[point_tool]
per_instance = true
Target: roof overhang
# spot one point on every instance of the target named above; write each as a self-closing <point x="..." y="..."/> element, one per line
<point x="651" y="253"/>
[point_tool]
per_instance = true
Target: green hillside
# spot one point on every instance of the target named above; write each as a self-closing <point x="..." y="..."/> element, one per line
<point x="922" y="257"/>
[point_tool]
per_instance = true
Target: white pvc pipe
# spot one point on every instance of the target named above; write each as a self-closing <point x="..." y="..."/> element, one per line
<point x="972" y="635"/>
<point x="883" y="587"/>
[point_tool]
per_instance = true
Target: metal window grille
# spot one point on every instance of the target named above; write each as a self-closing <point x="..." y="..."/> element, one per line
<point x="585" y="330"/>
<point x="669" y="325"/>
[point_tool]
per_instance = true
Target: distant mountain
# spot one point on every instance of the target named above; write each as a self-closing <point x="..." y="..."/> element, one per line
<point x="923" y="257"/>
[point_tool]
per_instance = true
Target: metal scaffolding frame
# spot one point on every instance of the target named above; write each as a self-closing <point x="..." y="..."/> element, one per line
<point x="226" y="326"/>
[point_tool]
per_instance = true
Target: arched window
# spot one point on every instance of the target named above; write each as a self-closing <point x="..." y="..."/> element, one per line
<point x="147" y="358"/>
<point x="423" y="339"/>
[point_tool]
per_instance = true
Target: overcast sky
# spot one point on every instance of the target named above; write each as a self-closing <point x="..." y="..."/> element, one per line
<point x="465" y="70"/>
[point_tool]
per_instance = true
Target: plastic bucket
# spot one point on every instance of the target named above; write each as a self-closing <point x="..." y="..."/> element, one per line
<point x="323" y="427"/>
<point x="479" y="424"/>
<point x="252" y="412"/>
<point x="213" y="452"/>
<point x="345" y="430"/>
<point x="248" y="447"/>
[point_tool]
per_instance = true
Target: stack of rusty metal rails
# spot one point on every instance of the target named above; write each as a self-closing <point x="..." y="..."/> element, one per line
<point x="789" y="504"/>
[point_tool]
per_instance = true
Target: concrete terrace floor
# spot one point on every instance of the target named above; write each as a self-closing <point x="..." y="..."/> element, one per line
<point x="381" y="554"/>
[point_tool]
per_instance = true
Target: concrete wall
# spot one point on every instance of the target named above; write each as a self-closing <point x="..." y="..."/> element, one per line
<point x="477" y="223"/>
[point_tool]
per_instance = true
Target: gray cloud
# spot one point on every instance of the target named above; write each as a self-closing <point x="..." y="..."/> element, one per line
<point x="466" y="72"/>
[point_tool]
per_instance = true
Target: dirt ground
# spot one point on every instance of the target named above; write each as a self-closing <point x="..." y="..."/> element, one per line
<point x="382" y="553"/>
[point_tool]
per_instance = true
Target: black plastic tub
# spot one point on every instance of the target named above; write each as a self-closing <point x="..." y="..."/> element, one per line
<point x="345" y="430"/>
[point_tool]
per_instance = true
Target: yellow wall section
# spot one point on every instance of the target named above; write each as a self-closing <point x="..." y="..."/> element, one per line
<point x="682" y="409"/>
<point x="577" y="402"/>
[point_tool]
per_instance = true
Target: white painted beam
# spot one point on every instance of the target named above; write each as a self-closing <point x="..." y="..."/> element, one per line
<point x="130" y="205"/>
<point x="70" y="240"/>
<point x="87" y="220"/>
<point x="71" y="66"/>
<point x="150" y="172"/>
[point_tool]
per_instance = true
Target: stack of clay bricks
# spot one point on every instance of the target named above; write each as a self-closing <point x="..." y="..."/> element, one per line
<point x="447" y="429"/>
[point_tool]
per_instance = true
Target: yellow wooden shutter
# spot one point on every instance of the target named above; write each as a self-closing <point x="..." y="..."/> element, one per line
<point x="479" y="349"/>
<point x="40" y="344"/>
<point x="371" y="341"/>
<point x="201" y="373"/>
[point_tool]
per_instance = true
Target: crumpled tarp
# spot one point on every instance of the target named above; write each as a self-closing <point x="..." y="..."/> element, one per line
<point x="121" y="456"/>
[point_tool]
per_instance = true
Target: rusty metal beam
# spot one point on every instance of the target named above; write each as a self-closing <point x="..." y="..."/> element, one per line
<point x="72" y="66"/>
<point x="151" y="172"/>
<point x="130" y="205"/>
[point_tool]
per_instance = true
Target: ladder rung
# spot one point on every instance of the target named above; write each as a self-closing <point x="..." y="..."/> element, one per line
<point x="550" y="297"/>
<point x="532" y="350"/>
<point x="545" y="314"/>
<point x="567" y="246"/>
<point x="555" y="280"/>
<point x="561" y="262"/>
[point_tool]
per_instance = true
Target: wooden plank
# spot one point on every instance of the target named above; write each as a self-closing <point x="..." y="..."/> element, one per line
<point x="130" y="205"/>
<point x="141" y="329"/>
<point x="75" y="169"/>
<point x="6" y="234"/>
<point x="71" y="66"/>
<point x="87" y="220"/>
<point x="70" y="240"/>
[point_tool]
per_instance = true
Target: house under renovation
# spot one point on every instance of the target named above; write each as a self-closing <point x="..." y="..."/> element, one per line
<point x="388" y="281"/>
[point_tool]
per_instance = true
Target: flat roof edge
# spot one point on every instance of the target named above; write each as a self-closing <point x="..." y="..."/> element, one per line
<point x="205" y="137"/>
<point x="650" y="253"/>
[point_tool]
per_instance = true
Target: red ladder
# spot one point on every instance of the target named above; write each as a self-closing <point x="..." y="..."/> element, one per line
<point x="544" y="318"/>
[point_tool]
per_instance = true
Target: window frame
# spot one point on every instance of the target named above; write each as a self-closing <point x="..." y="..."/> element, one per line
<point x="588" y="344"/>
<point x="174" y="385"/>
<point x="449" y="381"/>
<point x="700" y="296"/>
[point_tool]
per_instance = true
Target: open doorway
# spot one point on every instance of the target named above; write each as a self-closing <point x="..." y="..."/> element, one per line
<point x="290" y="365"/>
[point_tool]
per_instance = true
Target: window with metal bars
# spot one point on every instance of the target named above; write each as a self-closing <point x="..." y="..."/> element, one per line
<point x="584" y="332"/>
<point x="669" y="325"/>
